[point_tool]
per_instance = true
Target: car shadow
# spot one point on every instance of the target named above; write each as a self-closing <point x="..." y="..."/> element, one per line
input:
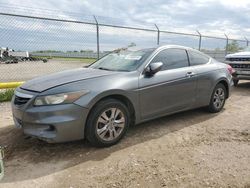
<point x="28" y="154"/>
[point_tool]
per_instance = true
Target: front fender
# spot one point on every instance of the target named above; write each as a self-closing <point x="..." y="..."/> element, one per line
<point x="89" y="100"/>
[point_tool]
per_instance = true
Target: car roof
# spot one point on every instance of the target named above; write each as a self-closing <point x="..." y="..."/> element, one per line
<point x="161" y="47"/>
<point x="174" y="46"/>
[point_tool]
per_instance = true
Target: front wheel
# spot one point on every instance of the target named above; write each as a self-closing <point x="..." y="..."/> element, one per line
<point x="107" y="123"/>
<point x="218" y="99"/>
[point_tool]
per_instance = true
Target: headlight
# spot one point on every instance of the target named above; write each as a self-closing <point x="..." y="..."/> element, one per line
<point x="61" y="98"/>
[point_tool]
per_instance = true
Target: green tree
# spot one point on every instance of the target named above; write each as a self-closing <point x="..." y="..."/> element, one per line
<point x="233" y="47"/>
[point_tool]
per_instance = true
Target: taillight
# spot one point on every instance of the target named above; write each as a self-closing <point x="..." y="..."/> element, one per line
<point x="230" y="69"/>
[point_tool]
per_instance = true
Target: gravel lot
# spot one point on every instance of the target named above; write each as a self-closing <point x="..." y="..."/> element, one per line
<point x="27" y="70"/>
<point x="189" y="149"/>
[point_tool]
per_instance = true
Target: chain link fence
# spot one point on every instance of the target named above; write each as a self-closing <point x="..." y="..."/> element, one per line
<point x="51" y="44"/>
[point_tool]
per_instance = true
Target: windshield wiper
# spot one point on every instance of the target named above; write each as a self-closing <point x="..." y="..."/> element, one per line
<point x="103" y="68"/>
<point x="121" y="70"/>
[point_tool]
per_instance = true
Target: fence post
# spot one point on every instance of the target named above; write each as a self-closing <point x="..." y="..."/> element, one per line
<point x="158" y="34"/>
<point x="199" y="39"/>
<point x="247" y="40"/>
<point x="226" y="44"/>
<point x="97" y="38"/>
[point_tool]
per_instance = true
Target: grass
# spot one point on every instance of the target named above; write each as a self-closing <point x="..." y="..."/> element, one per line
<point x="82" y="60"/>
<point x="6" y="95"/>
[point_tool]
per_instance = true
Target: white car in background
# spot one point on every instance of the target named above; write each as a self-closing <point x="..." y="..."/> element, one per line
<point x="240" y="62"/>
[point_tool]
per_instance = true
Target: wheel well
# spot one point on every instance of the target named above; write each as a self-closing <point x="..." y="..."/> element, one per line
<point x="124" y="100"/>
<point x="226" y="86"/>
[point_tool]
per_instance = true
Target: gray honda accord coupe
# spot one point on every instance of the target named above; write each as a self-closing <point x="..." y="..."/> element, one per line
<point x="125" y="87"/>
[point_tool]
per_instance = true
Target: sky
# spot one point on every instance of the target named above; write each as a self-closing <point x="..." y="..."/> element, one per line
<point x="210" y="17"/>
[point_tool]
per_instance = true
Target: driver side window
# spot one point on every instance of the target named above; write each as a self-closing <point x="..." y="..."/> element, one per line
<point x="172" y="58"/>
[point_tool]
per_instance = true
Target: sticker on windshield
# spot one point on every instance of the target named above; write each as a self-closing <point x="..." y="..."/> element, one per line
<point x="130" y="57"/>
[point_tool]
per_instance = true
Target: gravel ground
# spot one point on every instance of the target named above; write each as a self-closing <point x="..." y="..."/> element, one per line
<point x="27" y="70"/>
<point x="188" y="149"/>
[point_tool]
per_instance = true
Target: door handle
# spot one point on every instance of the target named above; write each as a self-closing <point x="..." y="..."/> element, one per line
<point x="190" y="74"/>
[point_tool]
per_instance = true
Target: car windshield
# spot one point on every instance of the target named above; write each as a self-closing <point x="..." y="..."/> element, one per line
<point x="122" y="60"/>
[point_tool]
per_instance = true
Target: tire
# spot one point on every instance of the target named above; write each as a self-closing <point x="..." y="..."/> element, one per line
<point x="236" y="82"/>
<point x="104" y="129"/>
<point x="218" y="99"/>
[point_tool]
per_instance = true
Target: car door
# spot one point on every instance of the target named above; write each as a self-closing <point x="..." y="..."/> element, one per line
<point x="206" y="73"/>
<point x="169" y="90"/>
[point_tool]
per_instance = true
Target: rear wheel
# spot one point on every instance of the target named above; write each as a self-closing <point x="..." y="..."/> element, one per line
<point x="107" y="123"/>
<point x="218" y="99"/>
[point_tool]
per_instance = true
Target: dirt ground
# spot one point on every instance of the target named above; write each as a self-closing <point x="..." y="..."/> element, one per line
<point x="189" y="149"/>
<point x="27" y="70"/>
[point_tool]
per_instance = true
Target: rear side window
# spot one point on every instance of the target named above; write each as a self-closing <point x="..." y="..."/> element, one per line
<point x="197" y="58"/>
<point x="172" y="58"/>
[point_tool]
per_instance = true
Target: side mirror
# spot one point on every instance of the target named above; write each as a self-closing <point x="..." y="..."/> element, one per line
<point x="153" y="68"/>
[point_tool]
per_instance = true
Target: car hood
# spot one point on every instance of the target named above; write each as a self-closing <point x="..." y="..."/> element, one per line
<point x="43" y="83"/>
<point x="238" y="55"/>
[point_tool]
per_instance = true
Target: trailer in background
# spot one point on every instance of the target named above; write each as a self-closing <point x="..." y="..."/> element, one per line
<point x="9" y="56"/>
<point x="19" y="54"/>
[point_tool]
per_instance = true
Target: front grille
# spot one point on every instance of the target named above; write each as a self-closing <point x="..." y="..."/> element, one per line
<point x="238" y="59"/>
<point x="20" y="100"/>
<point x="240" y="66"/>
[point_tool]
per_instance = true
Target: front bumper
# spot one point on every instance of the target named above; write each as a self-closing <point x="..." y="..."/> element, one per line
<point x="241" y="76"/>
<point x="55" y="123"/>
<point x="242" y="69"/>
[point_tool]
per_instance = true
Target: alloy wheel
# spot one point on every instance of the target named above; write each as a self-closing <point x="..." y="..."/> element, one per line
<point x="219" y="98"/>
<point x="110" y="124"/>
